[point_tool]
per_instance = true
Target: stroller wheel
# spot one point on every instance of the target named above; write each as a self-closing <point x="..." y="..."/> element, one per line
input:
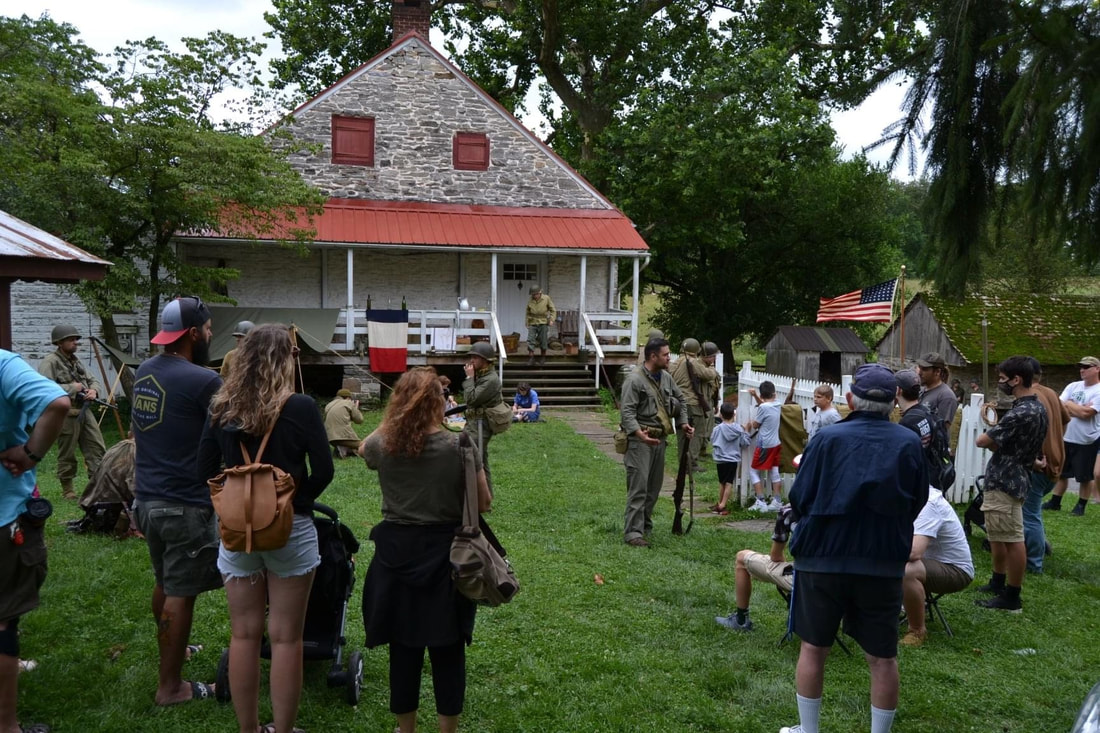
<point x="221" y="683"/>
<point x="354" y="677"/>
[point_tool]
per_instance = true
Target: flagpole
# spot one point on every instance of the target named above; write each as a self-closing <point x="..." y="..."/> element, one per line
<point x="902" y="318"/>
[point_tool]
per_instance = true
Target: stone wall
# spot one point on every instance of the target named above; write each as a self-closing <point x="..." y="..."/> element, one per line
<point x="418" y="104"/>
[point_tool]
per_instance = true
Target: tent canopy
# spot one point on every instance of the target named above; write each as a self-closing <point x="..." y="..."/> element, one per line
<point x="315" y="326"/>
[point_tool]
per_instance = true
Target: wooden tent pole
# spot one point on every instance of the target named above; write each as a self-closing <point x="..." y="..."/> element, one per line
<point x="111" y="396"/>
<point x="297" y="358"/>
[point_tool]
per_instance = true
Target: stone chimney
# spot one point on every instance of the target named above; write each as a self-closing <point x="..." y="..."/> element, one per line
<point x="411" y="15"/>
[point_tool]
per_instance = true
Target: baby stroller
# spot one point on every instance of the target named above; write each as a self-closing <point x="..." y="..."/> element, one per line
<point x="327" y="612"/>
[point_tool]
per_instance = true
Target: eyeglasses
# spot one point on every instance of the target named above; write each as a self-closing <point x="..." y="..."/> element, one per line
<point x="1085" y="366"/>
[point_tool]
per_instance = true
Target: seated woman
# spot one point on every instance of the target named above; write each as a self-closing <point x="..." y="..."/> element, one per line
<point x="258" y="398"/>
<point x="449" y="401"/>
<point x="525" y="406"/>
<point x="409" y="598"/>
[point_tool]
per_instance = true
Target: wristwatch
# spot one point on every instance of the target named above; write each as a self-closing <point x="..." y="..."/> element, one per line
<point x="31" y="454"/>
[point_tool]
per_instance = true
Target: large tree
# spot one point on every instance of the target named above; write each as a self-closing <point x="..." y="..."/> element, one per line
<point x="735" y="182"/>
<point x="1014" y="140"/>
<point x="120" y="156"/>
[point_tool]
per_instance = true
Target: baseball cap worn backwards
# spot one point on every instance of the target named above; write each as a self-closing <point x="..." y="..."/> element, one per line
<point x="1089" y="361"/>
<point x="180" y="316"/>
<point x="874" y="382"/>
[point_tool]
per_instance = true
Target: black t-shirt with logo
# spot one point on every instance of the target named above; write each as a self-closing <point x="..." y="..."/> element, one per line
<point x="171" y="399"/>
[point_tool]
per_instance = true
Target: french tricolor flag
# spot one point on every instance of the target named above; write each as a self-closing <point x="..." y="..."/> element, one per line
<point x="388" y="339"/>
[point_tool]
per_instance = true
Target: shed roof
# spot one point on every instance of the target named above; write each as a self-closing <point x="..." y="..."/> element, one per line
<point x="1055" y="329"/>
<point x="811" y="338"/>
<point x="29" y="253"/>
<point x="413" y="223"/>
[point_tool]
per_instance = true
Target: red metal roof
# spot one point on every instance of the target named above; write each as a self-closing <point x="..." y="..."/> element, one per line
<point x="361" y="221"/>
<point x="29" y="253"/>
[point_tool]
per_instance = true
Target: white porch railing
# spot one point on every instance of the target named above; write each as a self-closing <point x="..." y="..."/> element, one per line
<point x="969" y="460"/>
<point x="597" y="348"/>
<point x="612" y="331"/>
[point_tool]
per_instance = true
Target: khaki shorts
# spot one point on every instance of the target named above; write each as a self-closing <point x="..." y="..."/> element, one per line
<point x="762" y="567"/>
<point x="939" y="577"/>
<point x="1004" y="517"/>
<point x="22" y="571"/>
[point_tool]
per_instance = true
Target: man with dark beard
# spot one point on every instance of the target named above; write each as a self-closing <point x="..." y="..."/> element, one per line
<point x="172" y="504"/>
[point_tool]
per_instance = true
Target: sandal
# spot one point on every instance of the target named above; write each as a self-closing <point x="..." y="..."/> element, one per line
<point x="192" y="650"/>
<point x="723" y="512"/>
<point x="270" y="728"/>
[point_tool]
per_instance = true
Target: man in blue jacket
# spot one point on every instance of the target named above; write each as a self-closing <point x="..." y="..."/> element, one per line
<point x="859" y="487"/>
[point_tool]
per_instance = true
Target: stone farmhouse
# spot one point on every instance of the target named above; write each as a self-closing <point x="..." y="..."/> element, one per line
<point x="438" y="198"/>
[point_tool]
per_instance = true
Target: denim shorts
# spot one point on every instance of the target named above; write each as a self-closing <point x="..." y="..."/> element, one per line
<point x="297" y="557"/>
<point x="183" y="545"/>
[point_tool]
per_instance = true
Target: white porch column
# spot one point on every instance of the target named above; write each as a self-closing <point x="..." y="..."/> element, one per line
<point x="612" y="283"/>
<point x="349" y="330"/>
<point x="581" y="303"/>
<point x="324" y="276"/>
<point x="634" y="308"/>
<point x="493" y="283"/>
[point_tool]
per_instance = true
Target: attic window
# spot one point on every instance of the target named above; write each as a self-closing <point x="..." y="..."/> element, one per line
<point x="471" y="151"/>
<point x="353" y="140"/>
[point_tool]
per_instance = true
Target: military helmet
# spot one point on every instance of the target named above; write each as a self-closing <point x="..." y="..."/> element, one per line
<point x="710" y="348"/>
<point x="243" y="328"/>
<point x="655" y="333"/>
<point x="62" y="332"/>
<point x="482" y="349"/>
<point x="690" y="346"/>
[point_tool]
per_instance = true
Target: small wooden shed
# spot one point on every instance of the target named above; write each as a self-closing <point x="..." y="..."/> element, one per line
<point x="817" y="354"/>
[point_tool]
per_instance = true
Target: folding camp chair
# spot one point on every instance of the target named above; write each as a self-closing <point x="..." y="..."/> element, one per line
<point x="931" y="610"/>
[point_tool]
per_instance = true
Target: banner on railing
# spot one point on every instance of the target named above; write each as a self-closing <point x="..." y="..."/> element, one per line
<point x="388" y="339"/>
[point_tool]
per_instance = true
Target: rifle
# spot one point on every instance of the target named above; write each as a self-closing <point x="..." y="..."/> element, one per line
<point x="83" y="401"/>
<point x="686" y="470"/>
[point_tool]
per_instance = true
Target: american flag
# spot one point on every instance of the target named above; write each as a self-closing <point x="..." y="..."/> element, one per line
<point x="874" y="304"/>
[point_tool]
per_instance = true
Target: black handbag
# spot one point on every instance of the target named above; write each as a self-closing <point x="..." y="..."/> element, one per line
<point x="479" y="563"/>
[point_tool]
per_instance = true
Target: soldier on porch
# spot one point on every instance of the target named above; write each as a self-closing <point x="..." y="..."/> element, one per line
<point x="81" y="428"/>
<point x="540" y="314"/>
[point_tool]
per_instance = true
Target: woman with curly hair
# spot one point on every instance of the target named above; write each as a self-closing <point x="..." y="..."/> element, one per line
<point x="258" y="397"/>
<point x="409" y="599"/>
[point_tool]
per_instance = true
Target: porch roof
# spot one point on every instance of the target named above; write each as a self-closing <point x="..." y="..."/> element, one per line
<point x="416" y="223"/>
<point x="29" y="253"/>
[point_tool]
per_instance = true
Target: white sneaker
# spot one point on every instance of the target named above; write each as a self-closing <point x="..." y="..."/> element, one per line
<point x="758" y="506"/>
<point x="791" y="729"/>
<point x="774" y="505"/>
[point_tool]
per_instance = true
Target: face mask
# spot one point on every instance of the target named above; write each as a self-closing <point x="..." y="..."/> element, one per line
<point x="1005" y="387"/>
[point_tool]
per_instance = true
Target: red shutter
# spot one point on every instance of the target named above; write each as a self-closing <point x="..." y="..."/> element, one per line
<point x="471" y="151"/>
<point x="353" y="140"/>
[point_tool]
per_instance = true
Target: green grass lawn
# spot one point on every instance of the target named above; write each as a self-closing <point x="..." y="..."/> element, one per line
<point x="641" y="652"/>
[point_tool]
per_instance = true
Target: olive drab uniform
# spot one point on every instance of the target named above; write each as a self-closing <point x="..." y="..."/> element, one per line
<point x="645" y="464"/>
<point x="540" y="314"/>
<point x="339" y="416"/>
<point x="479" y="392"/>
<point x="697" y="382"/>
<point x="80" y="426"/>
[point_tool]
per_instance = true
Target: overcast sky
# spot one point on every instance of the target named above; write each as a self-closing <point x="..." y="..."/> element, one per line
<point x="105" y="24"/>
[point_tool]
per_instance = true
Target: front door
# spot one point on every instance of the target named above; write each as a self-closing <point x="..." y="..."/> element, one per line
<point x="517" y="274"/>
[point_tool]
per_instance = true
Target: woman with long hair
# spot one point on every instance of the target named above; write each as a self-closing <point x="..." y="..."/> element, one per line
<point x="409" y="598"/>
<point x="258" y="397"/>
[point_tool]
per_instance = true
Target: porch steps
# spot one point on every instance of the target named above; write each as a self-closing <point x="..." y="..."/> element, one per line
<point x="559" y="384"/>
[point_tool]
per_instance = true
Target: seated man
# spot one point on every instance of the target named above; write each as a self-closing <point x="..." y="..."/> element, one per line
<point x="772" y="568"/>
<point x="525" y="406"/>
<point x="939" y="562"/>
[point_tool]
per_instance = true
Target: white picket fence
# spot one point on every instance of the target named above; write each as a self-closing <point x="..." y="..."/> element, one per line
<point x="969" y="460"/>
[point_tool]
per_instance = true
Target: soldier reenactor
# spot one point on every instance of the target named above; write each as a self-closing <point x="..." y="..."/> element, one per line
<point x="239" y="333"/>
<point x="540" y="314"/>
<point x="80" y="427"/>
<point x="481" y="389"/>
<point x="696" y="377"/>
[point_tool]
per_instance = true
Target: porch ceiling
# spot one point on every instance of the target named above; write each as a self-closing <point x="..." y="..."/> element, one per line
<point x="413" y="223"/>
